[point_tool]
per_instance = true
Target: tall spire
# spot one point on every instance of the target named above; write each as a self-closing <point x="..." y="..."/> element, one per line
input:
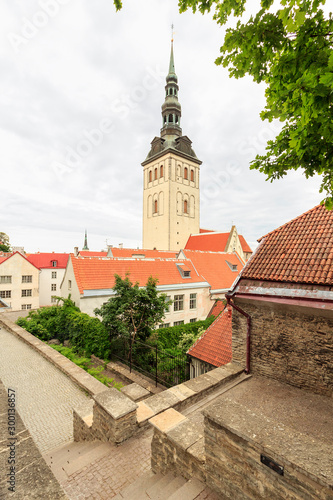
<point x="85" y="246"/>
<point x="171" y="109"/>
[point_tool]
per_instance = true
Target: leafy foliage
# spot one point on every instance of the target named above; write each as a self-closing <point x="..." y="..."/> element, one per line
<point x="86" y="363"/>
<point x="170" y="338"/>
<point x="66" y="322"/>
<point x="133" y="310"/>
<point x="4" y="242"/>
<point x="188" y="339"/>
<point x="290" y="50"/>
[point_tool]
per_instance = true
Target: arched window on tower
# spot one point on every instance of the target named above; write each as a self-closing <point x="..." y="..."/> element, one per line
<point x="149" y="176"/>
<point x="177" y="118"/>
<point x="185" y="207"/>
<point x="155" y="175"/>
<point x="170" y="118"/>
<point x="155" y="206"/>
<point x="165" y="118"/>
<point x="161" y="171"/>
<point x="185" y="173"/>
<point x="192" y="175"/>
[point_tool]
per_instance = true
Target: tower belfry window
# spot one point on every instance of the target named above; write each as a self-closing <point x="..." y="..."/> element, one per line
<point x="185" y="173"/>
<point x="150" y="176"/>
<point x="185" y="207"/>
<point x="155" y="206"/>
<point x="192" y="175"/>
<point x="155" y="176"/>
<point x="161" y="171"/>
<point x="170" y="118"/>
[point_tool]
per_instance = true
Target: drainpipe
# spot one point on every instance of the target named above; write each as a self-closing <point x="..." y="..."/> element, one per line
<point x="248" y="333"/>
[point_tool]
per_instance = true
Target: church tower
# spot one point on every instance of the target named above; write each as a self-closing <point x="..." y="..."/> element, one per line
<point x="171" y="170"/>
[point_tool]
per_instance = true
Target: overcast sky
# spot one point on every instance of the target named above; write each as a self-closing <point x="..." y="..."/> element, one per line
<point x="81" y="92"/>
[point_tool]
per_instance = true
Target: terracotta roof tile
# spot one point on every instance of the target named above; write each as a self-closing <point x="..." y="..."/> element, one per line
<point x="216" y="309"/>
<point x="298" y="252"/>
<point x="215" y="345"/>
<point x="44" y="260"/>
<point x="213" y="266"/>
<point x="98" y="273"/>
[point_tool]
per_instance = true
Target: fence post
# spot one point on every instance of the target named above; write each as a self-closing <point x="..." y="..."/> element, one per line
<point x="131" y="354"/>
<point x="156" y="365"/>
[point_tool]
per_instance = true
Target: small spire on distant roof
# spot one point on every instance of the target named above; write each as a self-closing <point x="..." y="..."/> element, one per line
<point x="85" y="246"/>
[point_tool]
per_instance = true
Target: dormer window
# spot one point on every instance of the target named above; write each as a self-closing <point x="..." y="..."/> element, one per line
<point x="54" y="263"/>
<point x="185" y="271"/>
<point x="233" y="267"/>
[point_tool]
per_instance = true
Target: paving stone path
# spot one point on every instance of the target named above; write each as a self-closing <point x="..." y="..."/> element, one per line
<point x="45" y="396"/>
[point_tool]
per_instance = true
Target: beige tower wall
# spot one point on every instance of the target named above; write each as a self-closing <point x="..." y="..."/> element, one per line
<point x="169" y="227"/>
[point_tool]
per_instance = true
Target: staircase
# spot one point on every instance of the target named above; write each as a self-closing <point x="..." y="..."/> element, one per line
<point x="158" y="487"/>
<point x="73" y="457"/>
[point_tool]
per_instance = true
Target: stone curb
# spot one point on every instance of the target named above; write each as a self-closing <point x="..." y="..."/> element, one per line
<point x="79" y="376"/>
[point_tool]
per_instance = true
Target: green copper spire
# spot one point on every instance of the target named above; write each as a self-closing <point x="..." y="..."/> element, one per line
<point x="85" y="246"/>
<point x="171" y="108"/>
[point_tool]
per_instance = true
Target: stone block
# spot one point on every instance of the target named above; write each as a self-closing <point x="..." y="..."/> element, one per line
<point x="167" y="420"/>
<point x="143" y="413"/>
<point x="115" y="403"/>
<point x="162" y="401"/>
<point x="201" y="383"/>
<point x="185" y="434"/>
<point x="135" y="392"/>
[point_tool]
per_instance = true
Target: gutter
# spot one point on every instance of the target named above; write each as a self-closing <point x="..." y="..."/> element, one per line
<point x="248" y="332"/>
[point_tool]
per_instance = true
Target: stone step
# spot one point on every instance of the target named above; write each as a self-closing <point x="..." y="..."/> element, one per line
<point x="151" y="486"/>
<point x="189" y="491"/>
<point x="75" y="456"/>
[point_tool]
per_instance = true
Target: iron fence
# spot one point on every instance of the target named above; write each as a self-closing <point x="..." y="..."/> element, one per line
<point x="160" y="365"/>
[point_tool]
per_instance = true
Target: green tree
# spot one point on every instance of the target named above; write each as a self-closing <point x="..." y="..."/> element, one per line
<point x="133" y="310"/>
<point x="4" y="243"/>
<point x="288" y="47"/>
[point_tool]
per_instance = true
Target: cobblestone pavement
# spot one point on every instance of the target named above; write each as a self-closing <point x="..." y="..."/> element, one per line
<point x="45" y="396"/>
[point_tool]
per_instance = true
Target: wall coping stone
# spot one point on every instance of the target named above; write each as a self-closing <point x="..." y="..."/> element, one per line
<point x="78" y="375"/>
<point x="162" y="401"/>
<point x="167" y="420"/>
<point x="135" y="392"/>
<point x="115" y="403"/>
<point x="185" y="434"/>
<point x="182" y="391"/>
<point x="201" y="383"/>
<point x="143" y="412"/>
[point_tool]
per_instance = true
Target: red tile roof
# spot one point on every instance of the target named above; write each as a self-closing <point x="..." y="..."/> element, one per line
<point x="216" y="309"/>
<point x="213" y="266"/>
<point x="244" y="245"/>
<point x="215" y="345"/>
<point x="130" y="252"/>
<point x="44" y="260"/>
<point x="300" y="251"/>
<point x="209" y="241"/>
<point x="206" y="231"/>
<point x="3" y="259"/>
<point x="98" y="273"/>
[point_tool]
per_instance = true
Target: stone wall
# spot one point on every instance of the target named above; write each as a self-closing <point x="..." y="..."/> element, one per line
<point x="234" y="470"/>
<point x="290" y="344"/>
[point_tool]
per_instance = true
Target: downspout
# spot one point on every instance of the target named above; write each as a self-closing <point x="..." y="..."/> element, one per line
<point x="248" y="333"/>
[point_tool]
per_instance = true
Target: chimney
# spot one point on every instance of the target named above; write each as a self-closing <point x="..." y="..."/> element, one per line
<point x="76" y="251"/>
<point x="121" y="245"/>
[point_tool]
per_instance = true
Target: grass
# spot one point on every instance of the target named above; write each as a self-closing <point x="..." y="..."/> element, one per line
<point x="86" y="364"/>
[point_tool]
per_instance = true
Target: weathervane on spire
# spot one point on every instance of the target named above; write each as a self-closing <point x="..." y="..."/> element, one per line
<point x="172" y="32"/>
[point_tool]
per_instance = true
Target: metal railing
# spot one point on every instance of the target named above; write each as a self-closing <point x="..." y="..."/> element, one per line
<point x="158" y="364"/>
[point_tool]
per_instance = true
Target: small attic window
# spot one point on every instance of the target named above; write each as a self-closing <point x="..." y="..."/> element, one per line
<point x="54" y="263"/>
<point x="187" y="274"/>
<point x="233" y="267"/>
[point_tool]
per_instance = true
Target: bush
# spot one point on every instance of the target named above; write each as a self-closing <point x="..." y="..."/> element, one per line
<point x="169" y="338"/>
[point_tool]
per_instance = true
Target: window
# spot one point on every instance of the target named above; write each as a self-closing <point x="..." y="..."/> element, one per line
<point x="192" y="175"/>
<point x="185" y="206"/>
<point x="185" y="173"/>
<point x="193" y="300"/>
<point x="161" y="171"/>
<point x="193" y="320"/>
<point x="155" y="207"/>
<point x="54" y="263"/>
<point x="168" y="299"/>
<point x="150" y="176"/>
<point x="155" y="174"/>
<point x="177" y="323"/>
<point x="5" y="294"/>
<point x="54" y="274"/>
<point x="53" y="287"/>
<point x="26" y="293"/>
<point x="27" y="279"/>
<point x="187" y="274"/>
<point x="53" y="300"/>
<point x="170" y="119"/>
<point x="69" y="284"/>
<point x="26" y="306"/>
<point x="164" y="325"/>
<point x="5" y="279"/>
<point x="178" y="304"/>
